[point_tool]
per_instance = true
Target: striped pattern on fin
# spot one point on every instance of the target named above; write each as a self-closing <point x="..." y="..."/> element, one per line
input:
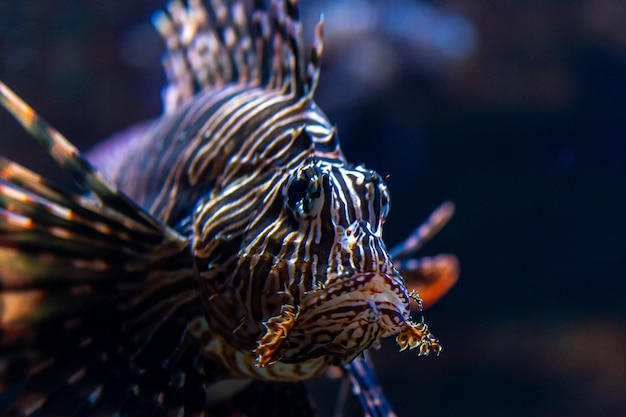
<point x="210" y="48"/>
<point x="429" y="278"/>
<point x="424" y="232"/>
<point x="75" y="164"/>
<point x="97" y="297"/>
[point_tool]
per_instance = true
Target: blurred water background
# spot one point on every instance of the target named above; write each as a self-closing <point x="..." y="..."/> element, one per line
<point x="516" y="111"/>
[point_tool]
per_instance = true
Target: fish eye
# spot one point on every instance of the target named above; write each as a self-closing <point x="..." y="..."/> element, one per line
<point x="296" y="192"/>
<point x="303" y="193"/>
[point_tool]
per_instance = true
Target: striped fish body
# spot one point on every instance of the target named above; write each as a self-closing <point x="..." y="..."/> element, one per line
<point x="275" y="215"/>
<point x="228" y="238"/>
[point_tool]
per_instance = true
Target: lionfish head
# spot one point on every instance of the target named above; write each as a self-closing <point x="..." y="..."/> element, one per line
<point x="357" y="296"/>
<point x="344" y="292"/>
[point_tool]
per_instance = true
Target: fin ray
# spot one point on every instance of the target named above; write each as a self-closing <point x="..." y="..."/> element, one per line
<point x="209" y="48"/>
<point x="87" y="282"/>
<point x="73" y="162"/>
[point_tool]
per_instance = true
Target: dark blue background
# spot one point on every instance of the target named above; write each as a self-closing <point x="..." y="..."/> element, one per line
<point x="526" y="136"/>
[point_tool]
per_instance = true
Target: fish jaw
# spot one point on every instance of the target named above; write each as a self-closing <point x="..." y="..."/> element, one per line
<point x="341" y="320"/>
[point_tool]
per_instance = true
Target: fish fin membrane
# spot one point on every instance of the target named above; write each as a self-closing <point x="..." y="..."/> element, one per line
<point x="228" y="43"/>
<point x="431" y="277"/>
<point x="96" y="295"/>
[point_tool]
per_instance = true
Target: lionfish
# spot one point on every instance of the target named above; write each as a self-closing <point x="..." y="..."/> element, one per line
<point x="218" y="254"/>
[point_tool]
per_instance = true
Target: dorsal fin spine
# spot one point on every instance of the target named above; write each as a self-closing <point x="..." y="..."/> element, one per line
<point x="207" y="49"/>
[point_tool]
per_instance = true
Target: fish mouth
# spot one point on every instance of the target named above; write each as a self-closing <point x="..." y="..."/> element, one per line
<point x="337" y="322"/>
<point x="361" y="309"/>
<point x="342" y="319"/>
<point x="384" y="294"/>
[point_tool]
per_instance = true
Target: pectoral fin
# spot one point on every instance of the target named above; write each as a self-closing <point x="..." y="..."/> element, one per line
<point x="95" y="292"/>
<point x="431" y="277"/>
